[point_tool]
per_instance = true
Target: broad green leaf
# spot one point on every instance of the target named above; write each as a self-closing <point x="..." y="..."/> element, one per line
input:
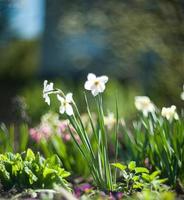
<point x="138" y="185"/>
<point x="32" y="177"/>
<point x="141" y="170"/>
<point x="135" y="178"/>
<point x="154" y="174"/>
<point x="4" y="172"/>
<point x="54" y="160"/>
<point x="132" y="165"/>
<point x="162" y="180"/>
<point x="17" y="168"/>
<point x="30" y="156"/>
<point x="119" y="166"/>
<point x="48" y="171"/>
<point x="39" y="160"/>
<point x="146" y="177"/>
<point x="63" y="173"/>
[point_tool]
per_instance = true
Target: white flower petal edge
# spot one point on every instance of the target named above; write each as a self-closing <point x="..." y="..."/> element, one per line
<point x="144" y="104"/>
<point x="95" y="84"/>
<point x="91" y="76"/>
<point x="69" y="110"/>
<point x="182" y="94"/>
<point x="47" y="89"/>
<point x="61" y="99"/>
<point x="69" y="97"/>
<point x="66" y="104"/>
<point x="104" y="79"/>
<point x="62" y="109"/>
<point x="47" y="98"/>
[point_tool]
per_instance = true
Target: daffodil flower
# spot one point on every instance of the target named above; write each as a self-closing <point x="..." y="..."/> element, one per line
<point x="66" y="104"/>
<point x="170" y="113"/>
<point x="109" y="120"/>
<point x="182" y="94"/>
<point x="95" y="84"/>
<point x="144" y="104"/>
<point x="47" y="89"/>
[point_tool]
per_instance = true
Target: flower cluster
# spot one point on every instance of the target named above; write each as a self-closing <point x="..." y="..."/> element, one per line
<point x="40" y="132"/>
<point x="144" y="104"/>
<point x="95" y="84"/>
<point x="64" y="132"/>
<point x="45" y="129"/>
<point x="50" y="125"/>
<point x="170" y="113"/>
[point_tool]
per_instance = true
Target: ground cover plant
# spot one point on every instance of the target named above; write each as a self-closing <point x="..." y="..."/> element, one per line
<point x="29" y="170"/>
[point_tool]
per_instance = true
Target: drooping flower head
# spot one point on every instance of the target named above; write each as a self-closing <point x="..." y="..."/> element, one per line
<point x="182" y="94"/>
<point x="144" y="104"/>
<point x="170" y="113"/>
<point x="95" y="84"/>
<point x="47" y="89"/>
<point x="66" y="106"/>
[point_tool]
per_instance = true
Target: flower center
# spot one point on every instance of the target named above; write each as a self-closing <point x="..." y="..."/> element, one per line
<point x="96" y="82"/>
<point x="145" y="103"/>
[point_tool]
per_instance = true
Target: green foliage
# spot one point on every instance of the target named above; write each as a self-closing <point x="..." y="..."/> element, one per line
<point x="96" y="157"/>
<point x="54" y="138"/>
<point x="13" y="139"/>
<point x="29" y="170"/>
<point x="152" y="195"/>
<point x="134" y="179"/>
<point x="19" y="56"/>
<point x="160" y="143"/>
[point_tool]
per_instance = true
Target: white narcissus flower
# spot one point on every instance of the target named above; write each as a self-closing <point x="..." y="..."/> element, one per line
<point x="109" y="120"/>
<point x="95" y="84"/>
<point x="170" y="113"/>
<point x="66" y="104"/>
<point x="182" y="94"/>
<point x="144" y="104"/>
<point x="47" y="89"/>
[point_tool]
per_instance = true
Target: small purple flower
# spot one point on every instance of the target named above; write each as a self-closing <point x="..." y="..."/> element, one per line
<point x="116" y="195"/>
<point x="81" y="189"/>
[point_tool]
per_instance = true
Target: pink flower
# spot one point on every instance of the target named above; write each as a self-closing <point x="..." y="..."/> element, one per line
<point x="66" y="137"/>
<point x="39" y="133"/>
<point x="63" y="126"/>
<point x="35" y="135"/>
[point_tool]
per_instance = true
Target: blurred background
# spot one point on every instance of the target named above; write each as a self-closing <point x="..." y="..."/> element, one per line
<point x="139" y="44"/>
